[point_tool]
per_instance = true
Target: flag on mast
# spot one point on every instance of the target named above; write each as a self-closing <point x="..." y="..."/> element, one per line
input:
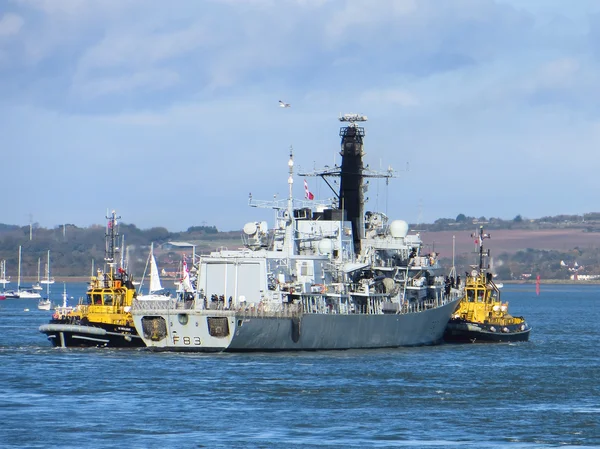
<point x="185" y="279"/>
<point x="307" y="193"/>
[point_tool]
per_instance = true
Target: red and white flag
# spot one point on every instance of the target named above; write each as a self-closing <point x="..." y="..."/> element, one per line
<point x="185" y="278"/>
<point x="307" y="193"/>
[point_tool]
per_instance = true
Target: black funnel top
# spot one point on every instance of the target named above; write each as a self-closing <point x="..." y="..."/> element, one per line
<point x="351" y="191"/>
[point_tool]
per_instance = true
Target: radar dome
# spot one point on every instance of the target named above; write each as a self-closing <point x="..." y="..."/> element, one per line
<point x="250" y="228"/>
<point x="398" y="228"/>
<point x="325" y="246"/>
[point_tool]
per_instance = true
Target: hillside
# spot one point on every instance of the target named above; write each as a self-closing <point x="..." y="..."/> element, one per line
<point x="511" y="241"/>
<point x="553" y="247"/>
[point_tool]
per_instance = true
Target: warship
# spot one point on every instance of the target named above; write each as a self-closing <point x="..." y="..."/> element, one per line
<point x="102" y="318"/>
<point x="329" y="275"/>
<point x="482" y="317"/>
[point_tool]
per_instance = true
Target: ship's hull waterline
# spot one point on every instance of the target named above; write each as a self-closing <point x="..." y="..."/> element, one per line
<point x="240" y="332"/>
<point x="464" y="332"/>
<point x="81" y="336"/>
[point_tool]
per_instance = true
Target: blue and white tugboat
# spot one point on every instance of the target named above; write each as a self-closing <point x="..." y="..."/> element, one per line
<point x="327" y="276"/>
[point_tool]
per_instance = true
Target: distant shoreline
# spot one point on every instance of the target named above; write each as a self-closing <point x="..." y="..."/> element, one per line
<point x="61" y="279"/>
<point x="552" y="281"/>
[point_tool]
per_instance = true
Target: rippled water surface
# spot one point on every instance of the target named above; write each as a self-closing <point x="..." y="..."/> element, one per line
<point x="543" y="393"/>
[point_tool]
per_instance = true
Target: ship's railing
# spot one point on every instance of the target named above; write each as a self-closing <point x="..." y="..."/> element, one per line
<point x="162" y="305"/>
<point x="324" y="304"/>
<point x="154" y="304"/>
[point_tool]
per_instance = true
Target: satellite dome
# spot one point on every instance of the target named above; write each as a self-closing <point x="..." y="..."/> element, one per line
<point x="250" y="228"/>
<point x="325" y="247"/>
<point x="398" y="228"/>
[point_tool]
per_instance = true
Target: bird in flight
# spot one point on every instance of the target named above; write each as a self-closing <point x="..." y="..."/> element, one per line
<point x="284" y="105"/>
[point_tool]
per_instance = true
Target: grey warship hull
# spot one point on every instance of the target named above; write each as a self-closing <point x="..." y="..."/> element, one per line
<point x="326" y="276"/>
<point x="230" y="331"/>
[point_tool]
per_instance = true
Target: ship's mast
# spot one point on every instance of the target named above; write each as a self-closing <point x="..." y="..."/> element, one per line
<point x="289" y="216"/>
<point x="352" y="172"/>
<point x="111" y="236"/>
<point x="482" y="253"/>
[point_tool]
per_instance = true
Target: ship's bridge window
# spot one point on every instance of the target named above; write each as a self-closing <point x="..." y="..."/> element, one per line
<point x="97" y="298"/>
<point x="108" y="299"/>
<point x="118" y="299"/>
<point x="480" y="294"/>
<point x="470" y="296"/>
<point x="88" y="299"/>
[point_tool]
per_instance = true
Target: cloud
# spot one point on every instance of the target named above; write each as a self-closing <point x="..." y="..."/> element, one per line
<point x="558" y="73"/>
<point x="149" y="80"/>
<point x="263" y="42"/>
<point x="10" y="24"/>
<point x="398" y="97"/>
<point x="141" y="48"/>
<point x="492" y="88"/>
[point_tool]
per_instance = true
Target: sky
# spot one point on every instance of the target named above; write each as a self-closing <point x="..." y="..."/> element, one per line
<point x="167" y="112"/>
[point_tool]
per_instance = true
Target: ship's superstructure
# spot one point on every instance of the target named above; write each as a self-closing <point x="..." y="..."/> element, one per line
<point x="327" y="276"/>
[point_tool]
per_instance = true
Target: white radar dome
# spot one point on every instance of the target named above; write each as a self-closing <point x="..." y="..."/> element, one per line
<point x="398" y="228"/>
<point x="250" y="228"/>
<point x="325" y="247"/>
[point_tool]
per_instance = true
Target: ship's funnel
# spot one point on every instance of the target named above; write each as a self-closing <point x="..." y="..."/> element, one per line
<point x="351" y="191"/>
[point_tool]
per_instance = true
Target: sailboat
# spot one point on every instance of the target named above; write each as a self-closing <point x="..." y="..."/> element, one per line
<point x="47" y="280"/>
<point x="37" y="285"/>
<point x="179" y="275"/>
<point x="60" y="312"/>
<point x="125" y="258"/>
<point x="45" y="303"/>
<point x="3" y="279"/>
<point x="156" y="289"/>
<point x="25" y="293"/>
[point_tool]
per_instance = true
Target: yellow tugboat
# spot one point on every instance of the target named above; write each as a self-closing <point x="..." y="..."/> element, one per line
<point x="103" y="318"/>
<point x="481" y="316"/>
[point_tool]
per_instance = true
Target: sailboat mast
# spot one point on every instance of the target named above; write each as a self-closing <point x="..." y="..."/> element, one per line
<point x="48" y="276"/>
<point x="123" y="260"/>
<point x="19" y="271"/>
<point x="151" y="273"/>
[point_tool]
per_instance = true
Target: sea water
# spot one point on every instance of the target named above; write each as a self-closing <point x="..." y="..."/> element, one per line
<point x="538" y="394"/>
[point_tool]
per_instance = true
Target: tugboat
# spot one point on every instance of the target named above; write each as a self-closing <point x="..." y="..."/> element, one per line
<point x="103" y="318"/>
<point x="481" y="316"/>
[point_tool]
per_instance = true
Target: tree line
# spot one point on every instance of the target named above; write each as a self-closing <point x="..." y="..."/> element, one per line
<point x="74" y="250"/>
